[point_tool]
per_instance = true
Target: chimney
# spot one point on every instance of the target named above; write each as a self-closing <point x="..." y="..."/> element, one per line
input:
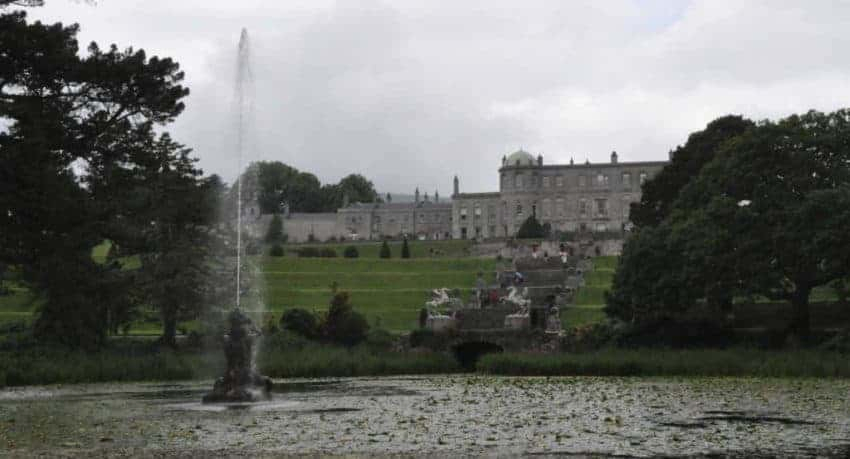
<point x="456" y="186"/>
<point x="613" y="157"/>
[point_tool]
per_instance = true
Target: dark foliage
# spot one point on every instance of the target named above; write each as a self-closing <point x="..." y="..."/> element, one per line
<point x="385" y="251"/>
<point x="342" y="324"/>
<point x="350" y="252"/>
<point x="101" y="111"/>
<point x="276" y="184"/>
<point x="276" y="251"/>
<point x="423" y="317"/>
<point x="301" y="322"/>
<point x="659" y="193"/>
<point x="531" y="229"/>
<point x="274" y="235"/>
<point x="405" y="249"/>
<point x="767" y="215"/>
<point x="309" y="252"/>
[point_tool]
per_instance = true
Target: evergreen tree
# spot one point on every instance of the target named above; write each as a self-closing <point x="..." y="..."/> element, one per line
<point x="65" y="111"/>
<point x="274" y="235"/>
<point x="531" y="229"/>
<point x="405" y="250"/>
<point x="176" y="214"/>
<point x="385" y="250"/>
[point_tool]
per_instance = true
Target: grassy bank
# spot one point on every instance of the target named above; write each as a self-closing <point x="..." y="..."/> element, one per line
<point x="652" y="362"/>
<point x="139" y="360"/>
<point x="54" y="366"/>
<point x="389" y="293"/>
<point x="44" y="366"/>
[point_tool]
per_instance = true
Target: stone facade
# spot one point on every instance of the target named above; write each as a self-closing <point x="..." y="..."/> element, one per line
<point x="569" y="197"/>
<point x="423" y="219"/>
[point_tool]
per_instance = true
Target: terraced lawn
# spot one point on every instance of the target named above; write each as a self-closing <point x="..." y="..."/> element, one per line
<point x="590" y="299"/>
<point x="389" y="292"/>
<point x="418" y="249"/>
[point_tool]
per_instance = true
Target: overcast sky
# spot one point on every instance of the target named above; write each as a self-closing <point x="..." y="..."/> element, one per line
<point x="409" y="93"/>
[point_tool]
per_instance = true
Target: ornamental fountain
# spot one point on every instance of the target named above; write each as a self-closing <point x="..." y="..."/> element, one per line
<point x="241" y="381"/>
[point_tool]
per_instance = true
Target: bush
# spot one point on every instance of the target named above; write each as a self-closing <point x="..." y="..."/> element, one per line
<point x="300" y="322"/>
<point x="423" y="317"/>
<point x="350" y="252"/>
<point x="327" y="252"/>
<point x="385" y="250"/>
<point x="405" y="249"/>
<point x="274" y="235"/>
<point x="276" y="251"/>
<point x="677" y="333"/>
<point x="343" y="325"/>
<point x="380" y="339"/>
<point x="531" y="229"/>
<point x="309" y="252"/>
<point x="426" y="338"/>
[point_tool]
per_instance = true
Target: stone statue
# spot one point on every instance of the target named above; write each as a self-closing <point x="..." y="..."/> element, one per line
<point x="517" y="297"/>
<point x="241" y="381"/>
<point x="440" y="297"/>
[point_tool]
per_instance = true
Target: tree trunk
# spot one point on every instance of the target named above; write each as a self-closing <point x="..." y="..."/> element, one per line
<point x="800" y="323"/>
<point x="169" y="327"/>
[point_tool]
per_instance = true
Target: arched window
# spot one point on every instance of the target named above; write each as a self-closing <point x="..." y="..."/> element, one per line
<point x="547" y="208"/>
<point x="559" y="204"/>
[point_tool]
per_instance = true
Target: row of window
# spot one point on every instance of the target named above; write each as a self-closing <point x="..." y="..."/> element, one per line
<point x="586" y="207"/>
<point x="599" y="180"/>
<point x="476" y="231"/>
<point x="423" y="218"/>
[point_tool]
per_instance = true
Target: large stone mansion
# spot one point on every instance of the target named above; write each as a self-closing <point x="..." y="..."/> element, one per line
<point x="569" y="197"/>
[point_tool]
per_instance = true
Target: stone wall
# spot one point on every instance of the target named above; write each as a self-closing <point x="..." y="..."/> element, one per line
<point x="323" y="226"/>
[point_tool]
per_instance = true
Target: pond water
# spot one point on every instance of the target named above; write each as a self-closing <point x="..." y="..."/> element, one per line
<point x="439" y="415"/>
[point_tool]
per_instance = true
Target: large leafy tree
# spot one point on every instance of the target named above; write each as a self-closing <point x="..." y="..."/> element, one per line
<point x="73" y="123"/>
<point x="173" y="216"/>
<point x="785" y="187"/>
<point x="272" y="183"/>
<point x="659" y="193"/>
<point x="768" y="215"/>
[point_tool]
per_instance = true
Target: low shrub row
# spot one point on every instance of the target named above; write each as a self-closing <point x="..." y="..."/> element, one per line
<point x="654" y="362"/>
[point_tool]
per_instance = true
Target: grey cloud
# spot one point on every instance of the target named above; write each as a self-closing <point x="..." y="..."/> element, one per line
<point x="410" y="93"/>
